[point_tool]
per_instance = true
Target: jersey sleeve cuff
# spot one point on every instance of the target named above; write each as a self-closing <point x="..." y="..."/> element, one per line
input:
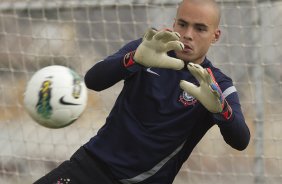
<point x="129" y="63"/>
<point x="226" y="114"/>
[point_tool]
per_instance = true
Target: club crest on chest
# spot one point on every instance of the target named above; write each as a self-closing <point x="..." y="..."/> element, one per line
<point x="186" y="99"/>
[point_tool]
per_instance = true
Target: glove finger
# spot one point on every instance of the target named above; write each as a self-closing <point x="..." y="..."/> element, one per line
<point x="215" y="89"/>
<point x="197" y="71"/>
<point x="149" y="34"/>
<point x="190" y="88"/>
<point x="204" y="78"/>
<point x="209" y="102"/>
<point x="171" y="63"/>
<point x="174" y="45"/>
<point x="166" y="36"/>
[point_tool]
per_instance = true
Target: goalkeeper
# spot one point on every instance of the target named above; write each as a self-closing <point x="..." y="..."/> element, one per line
<point x="172" y="95"/>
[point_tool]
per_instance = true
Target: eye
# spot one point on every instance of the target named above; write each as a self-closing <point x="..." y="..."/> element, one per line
<point x="201" y="28"/>
<point x="181" y="24"/>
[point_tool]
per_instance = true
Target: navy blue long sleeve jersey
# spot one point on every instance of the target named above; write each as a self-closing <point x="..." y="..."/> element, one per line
<point x="154" y="125"/>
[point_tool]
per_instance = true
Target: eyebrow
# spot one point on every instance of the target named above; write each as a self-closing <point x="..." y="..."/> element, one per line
<point x="196" y="24"/>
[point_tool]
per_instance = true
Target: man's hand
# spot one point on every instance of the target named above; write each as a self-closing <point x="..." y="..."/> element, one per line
<point x="152" y="52"/>
<point x="208" y="93"/>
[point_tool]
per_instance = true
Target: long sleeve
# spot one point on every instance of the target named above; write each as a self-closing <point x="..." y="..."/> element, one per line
<point x="111" y="70"/>
<point x="234" y="130"/>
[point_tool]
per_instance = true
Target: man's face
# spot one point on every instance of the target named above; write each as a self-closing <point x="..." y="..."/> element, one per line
<point x="197" y="25"/>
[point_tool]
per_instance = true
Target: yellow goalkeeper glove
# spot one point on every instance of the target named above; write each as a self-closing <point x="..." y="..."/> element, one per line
<point x="152" y="52"/>
<point x="208" y="93"/>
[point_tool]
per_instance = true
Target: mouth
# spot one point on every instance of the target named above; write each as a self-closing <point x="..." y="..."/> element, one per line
<point x="187" y="48"/>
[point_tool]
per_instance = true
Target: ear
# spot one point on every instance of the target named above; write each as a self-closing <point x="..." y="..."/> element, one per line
<point x="217" y="34"/>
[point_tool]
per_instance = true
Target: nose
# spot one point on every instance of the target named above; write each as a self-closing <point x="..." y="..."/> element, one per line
<point x="188" y="35"/>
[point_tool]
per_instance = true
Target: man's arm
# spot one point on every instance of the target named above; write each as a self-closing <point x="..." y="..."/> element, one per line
<point x="234" y="130"/>
<point x="111" y="70"/>
<point x="151" y="51"/>
<point x="224" y="106"/>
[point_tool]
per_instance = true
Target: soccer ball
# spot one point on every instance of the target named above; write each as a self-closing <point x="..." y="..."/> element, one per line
<point x="55" y="96"/>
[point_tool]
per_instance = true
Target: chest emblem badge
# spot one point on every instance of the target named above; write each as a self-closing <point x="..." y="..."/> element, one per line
<point x="187" y="99"/>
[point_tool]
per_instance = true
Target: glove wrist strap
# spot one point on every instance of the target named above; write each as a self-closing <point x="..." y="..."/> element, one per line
<point x="227" y="111"/>
<point x="128" y="59"/>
